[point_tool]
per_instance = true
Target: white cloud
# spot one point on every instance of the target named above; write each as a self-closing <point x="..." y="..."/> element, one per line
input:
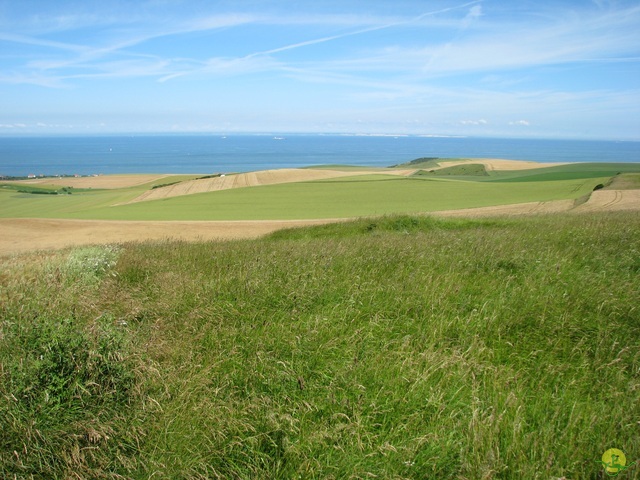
<point x="506" y="46"/>
<point x="475" y="12"/>
<point x="482" y="121"/>
<point x="524" y="123"/>
<point x="212" y="22"/>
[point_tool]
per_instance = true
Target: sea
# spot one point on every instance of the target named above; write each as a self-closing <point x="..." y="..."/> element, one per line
<point x="210" y="154"/>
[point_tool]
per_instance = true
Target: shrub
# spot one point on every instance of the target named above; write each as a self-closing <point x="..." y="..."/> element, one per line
<point x="61" y="386"/>
<point x="66" y="376"/>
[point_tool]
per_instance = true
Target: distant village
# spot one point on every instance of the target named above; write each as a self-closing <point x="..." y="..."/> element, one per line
<point x="32" y="176"/>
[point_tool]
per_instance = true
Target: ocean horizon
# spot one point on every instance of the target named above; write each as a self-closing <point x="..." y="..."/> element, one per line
<point x="218" y="153"/>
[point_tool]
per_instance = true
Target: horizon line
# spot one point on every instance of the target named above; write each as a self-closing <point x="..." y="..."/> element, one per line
<point x="133" y="133"/>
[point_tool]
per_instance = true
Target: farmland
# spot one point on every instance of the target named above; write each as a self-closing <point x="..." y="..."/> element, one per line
<point x="472" y="322"/>
<point x="313" y="194"/>
<point x="120" y="208"/>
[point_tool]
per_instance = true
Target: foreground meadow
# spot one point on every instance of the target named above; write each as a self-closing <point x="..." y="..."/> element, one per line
<point x="394" y="347"/>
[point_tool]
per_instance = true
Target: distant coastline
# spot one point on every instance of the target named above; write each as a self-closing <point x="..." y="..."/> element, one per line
<point x="202" y="153"/>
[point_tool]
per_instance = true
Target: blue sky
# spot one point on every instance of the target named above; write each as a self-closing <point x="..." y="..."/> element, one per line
<point x="520" y="68"/>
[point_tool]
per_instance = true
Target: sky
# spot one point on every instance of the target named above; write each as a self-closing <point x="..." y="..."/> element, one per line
<point x="496" y="68"/>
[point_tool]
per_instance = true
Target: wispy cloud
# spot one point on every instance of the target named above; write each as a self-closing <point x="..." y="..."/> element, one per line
<point x="369" y="29"/>
<point x="476" y="64"/>
<point x="538" y="45"/>
<point x="29" y="40"/>
<point x="231" y="65"/>
<point x="54" y="70"/>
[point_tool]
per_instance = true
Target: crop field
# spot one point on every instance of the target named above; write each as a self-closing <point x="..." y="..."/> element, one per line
<point x="291" y="195"/>
<point x="253" y="179"/>
<point x="404" y="347"/>
<point x="54" y="213"/>
<point x="346" y="197"/>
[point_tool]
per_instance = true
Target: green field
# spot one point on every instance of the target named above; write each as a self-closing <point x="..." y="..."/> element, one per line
<point x="397" y="345"/>
<point x="461" y="171"/>
<point x="357" y="196"/>
<point x="393" y="347"/>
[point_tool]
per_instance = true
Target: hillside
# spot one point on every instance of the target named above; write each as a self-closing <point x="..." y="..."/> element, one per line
<point x="108" y="209"/>
<point x="397" y="347"/>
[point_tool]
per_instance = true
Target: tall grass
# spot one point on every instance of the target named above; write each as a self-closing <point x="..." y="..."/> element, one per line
<point x="66" y="374"/>
<point x="396" y="347"/>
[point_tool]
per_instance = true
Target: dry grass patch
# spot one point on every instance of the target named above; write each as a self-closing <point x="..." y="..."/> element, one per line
<point x="25" y="235"/>
<point x="611" y="200"/>
<point x="499" y="164"/>
<point x="626" y="181"/>
<point x="529" y="208"/>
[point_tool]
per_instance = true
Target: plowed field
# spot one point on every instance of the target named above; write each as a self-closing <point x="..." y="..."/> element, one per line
<point x="498" y="164"/>
<point x="254" y="179"/>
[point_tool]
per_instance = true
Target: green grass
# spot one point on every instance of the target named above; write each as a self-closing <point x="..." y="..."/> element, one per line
<point x="172" y="180"/>
<point x="345" y="197"/>
<point x="43" y="189"/>
<point x="565" y="172"/>
<point x="392" y="347"/>
<point x="462" y="186"/>
<point x="15" y="202"/>
<point x="463" y="170"/>
<point x="423" y="162"/>
<point x="20" y="205"/>
<point x="65" y="380"/>
<point x="28" y="189"/>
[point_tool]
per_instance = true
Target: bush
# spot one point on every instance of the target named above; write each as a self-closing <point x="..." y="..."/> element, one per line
<point x="66" y="376"/>
<point x="61" y="387"/>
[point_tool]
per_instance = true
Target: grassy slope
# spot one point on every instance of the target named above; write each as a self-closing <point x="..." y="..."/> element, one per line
<point x="565" y="172"/>
<point x="21" y="205"/>
<point x="471" y="170"/>
<point x="397" y="348"/>
<point x="17" y="205"/>
<point x="346" y="197"/>
<point x="626" y="181"/>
